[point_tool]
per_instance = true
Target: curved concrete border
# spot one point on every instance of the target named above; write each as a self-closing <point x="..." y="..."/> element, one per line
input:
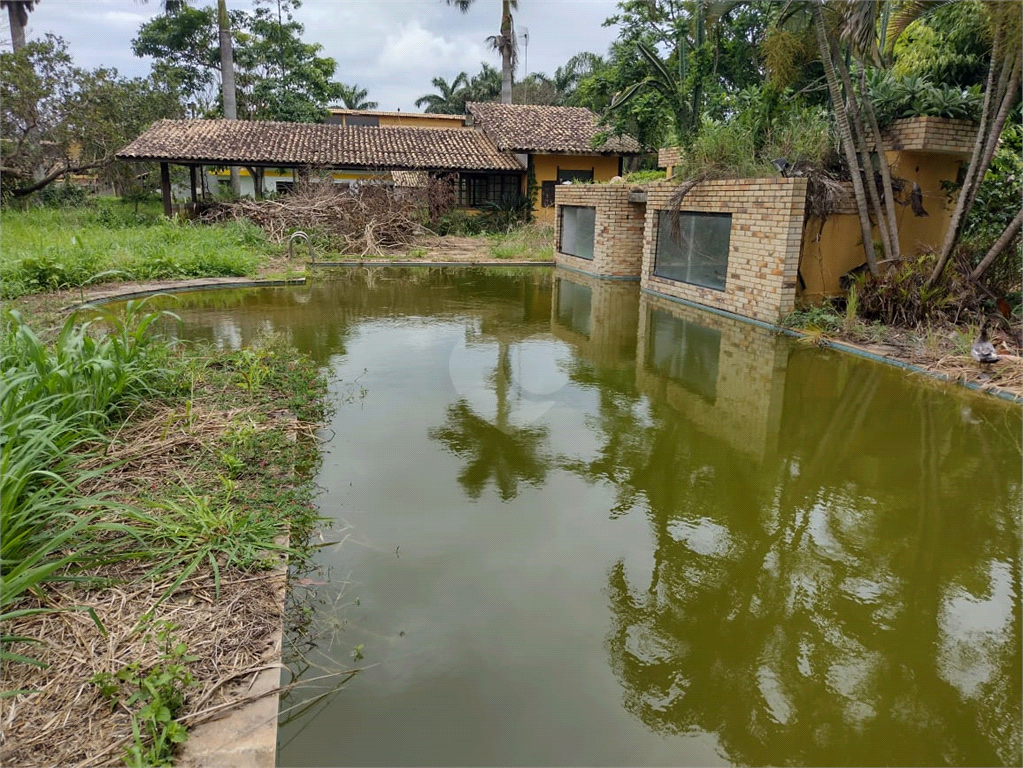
<point x="141" y="290"/>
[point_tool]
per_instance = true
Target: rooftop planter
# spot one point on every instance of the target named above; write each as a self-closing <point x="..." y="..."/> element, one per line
<point x="940" y="135"/>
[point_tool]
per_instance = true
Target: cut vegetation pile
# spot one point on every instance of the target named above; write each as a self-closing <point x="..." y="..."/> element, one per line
<point x="365" y="222"/>
<point x="146" y="491"/>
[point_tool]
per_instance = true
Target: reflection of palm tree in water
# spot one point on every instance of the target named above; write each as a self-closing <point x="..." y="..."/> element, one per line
<point x="500" y="451"/>
<point x="761" y="641"/>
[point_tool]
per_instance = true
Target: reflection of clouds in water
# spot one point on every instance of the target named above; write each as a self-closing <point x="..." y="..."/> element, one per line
<point x="703" y="536"/>
<point x="536" y="371"/>
<point x="973" y="630"/>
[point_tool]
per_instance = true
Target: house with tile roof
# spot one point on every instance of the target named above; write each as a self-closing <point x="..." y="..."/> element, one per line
<point x="555" y="144"/>
<point x="491" y="159"/>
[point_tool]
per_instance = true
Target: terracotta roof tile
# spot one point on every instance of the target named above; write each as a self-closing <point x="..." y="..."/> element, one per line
<point x="534" y="128"/>
<point x="252" y="142"/>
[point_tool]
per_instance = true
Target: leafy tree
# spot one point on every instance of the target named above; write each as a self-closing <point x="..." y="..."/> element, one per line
<point x="57" y="119"/>
<point x="278" y="76"/>
<point x="354" y="97"/>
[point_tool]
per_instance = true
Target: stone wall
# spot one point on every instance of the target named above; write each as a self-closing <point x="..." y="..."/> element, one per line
<point x="748" y="384"/>
<point x="668" y="158"/>
<point x="618" y="231"/>
<point x="764" y="243"/>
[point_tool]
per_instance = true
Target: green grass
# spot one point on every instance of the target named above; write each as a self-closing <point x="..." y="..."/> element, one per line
<point x="50" y="248"/>
<point x="530" y="242"/>
<point x="58" y="404"/>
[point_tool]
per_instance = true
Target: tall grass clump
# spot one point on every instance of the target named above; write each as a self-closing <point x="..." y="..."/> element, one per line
<point x="50" y="248"/>
<point x="55" y="401"/>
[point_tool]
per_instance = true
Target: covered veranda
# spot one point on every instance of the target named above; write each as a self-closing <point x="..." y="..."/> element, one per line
<point x="303" y="147"/>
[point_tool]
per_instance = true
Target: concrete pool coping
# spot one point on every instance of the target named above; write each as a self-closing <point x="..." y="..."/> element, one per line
<point x="242" y="282"/>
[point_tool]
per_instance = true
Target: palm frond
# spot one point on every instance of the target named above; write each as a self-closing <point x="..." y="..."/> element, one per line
<point x="908" y="12"/>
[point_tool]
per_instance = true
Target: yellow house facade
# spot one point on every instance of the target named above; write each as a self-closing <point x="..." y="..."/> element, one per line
<point x="554" y="144"/>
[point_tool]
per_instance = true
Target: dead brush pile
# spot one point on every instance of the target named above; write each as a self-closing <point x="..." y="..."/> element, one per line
<point x="369" y="221"/>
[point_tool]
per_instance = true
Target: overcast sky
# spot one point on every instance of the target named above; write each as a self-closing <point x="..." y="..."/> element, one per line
<point x="391" y="47"/>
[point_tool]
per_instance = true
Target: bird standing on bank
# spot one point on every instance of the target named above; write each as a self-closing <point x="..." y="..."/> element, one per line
<point x="983" y="351"/>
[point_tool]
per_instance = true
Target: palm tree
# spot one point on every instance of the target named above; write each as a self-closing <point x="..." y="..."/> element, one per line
<point x="17" y="14"/>
<point x="504" y="43"/>
<point x="227" y="84"/>
<point x="1000" y="95"/>
<point x="354" y="97"/>
<point x="450" y="100"/>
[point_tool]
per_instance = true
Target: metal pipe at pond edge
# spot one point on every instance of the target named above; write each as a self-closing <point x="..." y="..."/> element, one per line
<point x="291" y="246"/>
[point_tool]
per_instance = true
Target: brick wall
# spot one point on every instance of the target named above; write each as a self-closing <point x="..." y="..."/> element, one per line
<point x="764" y="243"/>
<point x="618" y="231"/>
<point x="668" y="157"/>
<point x="939" y="135"/>
<point x="749" y="386"/>
<point x="614" y="313"/>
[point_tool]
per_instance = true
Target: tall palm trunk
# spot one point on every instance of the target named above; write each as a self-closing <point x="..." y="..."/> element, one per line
<point x="845" y="133"/>
<point x="17" y="14"/>
<point x="507" y="52"/>
<point x="999" y="97"/>
<point x="1000" y="245"/>
<point x="227" y="80"/>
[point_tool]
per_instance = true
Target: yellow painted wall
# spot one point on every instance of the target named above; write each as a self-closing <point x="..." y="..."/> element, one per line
<point x="833" y="250"/>
<point x="412" y="120"/>
<point x="545" y="168"/>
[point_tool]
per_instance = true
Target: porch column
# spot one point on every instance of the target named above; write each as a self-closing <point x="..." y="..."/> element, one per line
<point x="194" y="183"/>
<point x="165" y="188"/>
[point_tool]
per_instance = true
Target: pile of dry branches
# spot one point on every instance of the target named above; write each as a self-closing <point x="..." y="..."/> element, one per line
<point x="366" y="221"/>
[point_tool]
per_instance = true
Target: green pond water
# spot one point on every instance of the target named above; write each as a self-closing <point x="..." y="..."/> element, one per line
<point x="586" y="526"/>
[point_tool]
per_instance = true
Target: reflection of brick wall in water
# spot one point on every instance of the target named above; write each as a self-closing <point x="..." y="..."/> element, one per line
<point x="618" y="230"/>
<point x="614" y="312"/>
<point x="745" y="410"/>
<point x="763" y="250"/>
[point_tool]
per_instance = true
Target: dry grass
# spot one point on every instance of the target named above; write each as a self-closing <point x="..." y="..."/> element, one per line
<point x="65" y="721"/>
<point x="62" y="718"/>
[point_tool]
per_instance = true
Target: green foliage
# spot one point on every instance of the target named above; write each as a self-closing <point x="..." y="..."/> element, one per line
<point x="55" y="402"/>
<point x="59" y="118"/>
<point x="66" y="195"/>
<point x="278" y="77"/>
<point x="768" y="124"/>
<point x="898" y="296"/>
<point x="161" y="691"/>
<point x="823" y="318"/>
<point x="998" y="200"/>
<point x="950" y="46"/>
<point x="354" y="97"/>
<point x="46" y="249"/>
<point x="459" y="222"/>
<point x="452" y="97"/>
<point x="639" y="177"/>
<point x="897" y="97"/>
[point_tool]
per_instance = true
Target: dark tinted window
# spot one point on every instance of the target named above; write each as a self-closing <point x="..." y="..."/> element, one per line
<point x="698" y="252"/>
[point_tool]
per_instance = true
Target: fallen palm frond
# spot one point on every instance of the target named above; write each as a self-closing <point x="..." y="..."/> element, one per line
<point x="1007" y="374"/>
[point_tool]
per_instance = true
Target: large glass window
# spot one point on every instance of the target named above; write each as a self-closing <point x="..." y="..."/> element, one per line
<point x="475" y="191"/>
<point x="684" y="352"/>
<point x="577" y="225"/>
<point x="698" y="252"/>
<point x="574" y="306"/>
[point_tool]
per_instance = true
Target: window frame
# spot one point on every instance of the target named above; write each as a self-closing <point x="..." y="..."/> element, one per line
<point x="662" y="231"/>
<point x="561" y="230"/>
<point x="476" y="190"/>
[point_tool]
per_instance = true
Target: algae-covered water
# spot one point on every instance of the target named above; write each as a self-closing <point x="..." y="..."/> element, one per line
<point x="588" y="526"/>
